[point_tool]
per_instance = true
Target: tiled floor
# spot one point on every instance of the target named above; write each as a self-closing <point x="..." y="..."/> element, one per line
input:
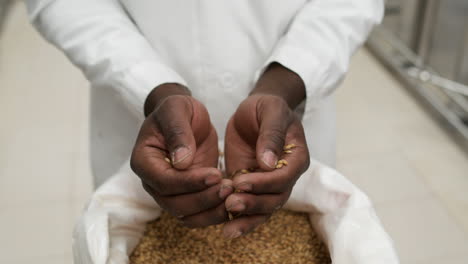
<point x="417" y="177"/>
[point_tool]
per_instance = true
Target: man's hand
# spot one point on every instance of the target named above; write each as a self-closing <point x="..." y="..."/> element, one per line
<point x="176" y="155"/>
<point x="255" y="136"/>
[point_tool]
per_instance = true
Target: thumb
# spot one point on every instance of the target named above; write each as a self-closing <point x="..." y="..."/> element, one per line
<point x="274" y="121"/>
<point x="174" y="120"/>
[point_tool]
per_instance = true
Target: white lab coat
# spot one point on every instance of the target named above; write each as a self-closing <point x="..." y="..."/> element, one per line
<point x="216" y="48"/>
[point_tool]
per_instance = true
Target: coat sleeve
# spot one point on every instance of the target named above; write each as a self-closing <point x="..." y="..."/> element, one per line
<point x="100" y="38"/>
<point x="321" y="39"/>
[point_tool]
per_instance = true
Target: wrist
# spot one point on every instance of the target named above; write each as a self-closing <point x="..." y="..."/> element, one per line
<point x="280" y="81"/>
<point x="161" y="92"/>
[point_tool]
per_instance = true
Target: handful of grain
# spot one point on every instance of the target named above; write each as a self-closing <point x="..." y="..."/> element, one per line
<point x="287" y="237"/>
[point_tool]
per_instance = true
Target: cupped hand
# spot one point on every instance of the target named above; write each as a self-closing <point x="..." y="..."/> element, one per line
<point x="255" y="137"/>
<point x="176" y="155"/>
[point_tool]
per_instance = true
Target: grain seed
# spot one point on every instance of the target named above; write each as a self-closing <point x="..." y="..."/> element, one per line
<point x="289" y="146"/>
<point x="288" y="237"/>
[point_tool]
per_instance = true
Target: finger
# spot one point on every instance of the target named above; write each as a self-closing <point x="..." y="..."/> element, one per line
<point x="249" y="204"/>
<point x="274" y="121"/>
<point x="209" y="217"/>
<point x="271" y="182"/>
<point x="279" y="180"/>
<point x="192" y="203"/>
<point x="165" y="180"/>
<point x="243" y="225"/>
<point x="174" y="117"/>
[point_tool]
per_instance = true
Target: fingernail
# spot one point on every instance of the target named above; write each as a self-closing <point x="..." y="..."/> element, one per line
<point x="212" y="180"/>
<point x="237" y="206"/>
<point x="225" y="191"/>
<point x="233" y="234"/>
<point x="269" y="158"/>
<point x="180" y="154"/>
<point x="244" y="186"/>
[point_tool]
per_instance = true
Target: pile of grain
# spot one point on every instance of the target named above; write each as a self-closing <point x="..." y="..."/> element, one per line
<point x="286" y="238"/>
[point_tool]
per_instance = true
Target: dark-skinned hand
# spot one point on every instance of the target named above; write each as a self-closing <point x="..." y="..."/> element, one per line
<point x="178" y="127"/>
<point x="255" y="136"/>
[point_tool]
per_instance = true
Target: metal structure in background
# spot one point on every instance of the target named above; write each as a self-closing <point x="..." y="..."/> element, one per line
<point x="425" y="42"/>
<point x="4" y="6"/>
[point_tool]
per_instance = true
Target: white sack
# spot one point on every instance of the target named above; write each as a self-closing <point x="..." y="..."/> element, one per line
<point x="114" y="220"/>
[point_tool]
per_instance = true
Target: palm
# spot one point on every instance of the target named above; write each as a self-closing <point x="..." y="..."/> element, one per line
<point x="206" y="154"/>
<point x="206" y="139"/>
<point x="255" y="138"/>
<point x="241" y="138"/>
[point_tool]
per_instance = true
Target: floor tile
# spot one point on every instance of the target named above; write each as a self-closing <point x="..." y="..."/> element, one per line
<point x="422" y="230"/>
<point x="54" y="259"/>
<point x="457" y="205"/>
<point x="455" y="259"/>
<point x="446" y="170"/>
<point x="358" y="134"/>
<point x="385" y="177"/>
<point x="35" y="175"/>
<point x="377" y="114"/>
<point x="38" y="230"/>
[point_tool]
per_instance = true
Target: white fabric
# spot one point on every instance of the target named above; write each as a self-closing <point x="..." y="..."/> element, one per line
<point x="217" y="48"/>
<point x="114" y="220"/>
